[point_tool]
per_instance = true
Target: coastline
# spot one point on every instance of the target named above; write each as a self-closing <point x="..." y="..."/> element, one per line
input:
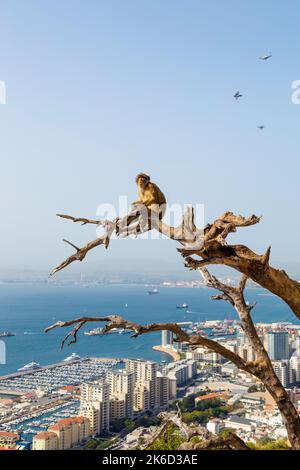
<point x="175" y="356"/>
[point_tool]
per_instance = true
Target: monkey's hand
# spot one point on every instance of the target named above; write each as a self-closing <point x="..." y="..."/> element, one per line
<point x="136" y="203"/>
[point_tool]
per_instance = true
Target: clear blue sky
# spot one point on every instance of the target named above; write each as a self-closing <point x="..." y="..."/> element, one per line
<point x="100" y="90"/>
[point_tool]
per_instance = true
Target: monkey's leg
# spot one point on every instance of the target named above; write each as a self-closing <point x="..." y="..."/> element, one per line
<point x="123" y="224"/>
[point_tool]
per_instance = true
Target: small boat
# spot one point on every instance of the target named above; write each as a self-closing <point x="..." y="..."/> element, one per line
<point x="31" y="365"/>
<point x="124" y="331"/>
<point x="73" y="357"/>
<point x="153" y="291"/>
<point x="183" y="306"/>
<point x="94" y="332"/>
<point x="6" y="334"/>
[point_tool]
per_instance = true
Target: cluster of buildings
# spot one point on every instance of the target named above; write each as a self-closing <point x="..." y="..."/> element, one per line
<point x="62" y="435"/>
<point x="108" y="391"/>
<point x="8" y="440"/>
<point x="123" y="393"/>
<point x="281" y="340"/>
<point x="260" y="417"/>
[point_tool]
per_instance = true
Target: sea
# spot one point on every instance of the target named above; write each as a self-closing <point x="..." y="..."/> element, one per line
<point x="27" y="309"/>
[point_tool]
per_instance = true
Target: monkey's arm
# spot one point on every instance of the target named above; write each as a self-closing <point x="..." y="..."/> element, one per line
<point x="150" y="196"/>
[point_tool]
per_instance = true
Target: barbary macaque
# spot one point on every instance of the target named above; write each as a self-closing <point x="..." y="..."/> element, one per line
<point x="151" y="199"/>
<point x="150" y="195"/>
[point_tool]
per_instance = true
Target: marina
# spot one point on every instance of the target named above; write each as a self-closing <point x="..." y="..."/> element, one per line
<point x="71" y="371"/>
<point x="28" y="426"/>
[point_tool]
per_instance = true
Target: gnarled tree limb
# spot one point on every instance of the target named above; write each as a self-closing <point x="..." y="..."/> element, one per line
<point x="116" y="321"/>
<point x="187" y="234"/>
<point x="262" y="365"/>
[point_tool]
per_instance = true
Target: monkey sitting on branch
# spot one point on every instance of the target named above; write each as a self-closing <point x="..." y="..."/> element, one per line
<point x="151" y="204"/>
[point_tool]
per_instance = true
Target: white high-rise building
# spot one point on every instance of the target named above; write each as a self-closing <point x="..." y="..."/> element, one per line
<point x="246" y="351"/>
<point x="117" y="406"/>
<point x="295" y="368"/>
<point x="141" y="396"/>
<point x="94" y="404"/>
<point x="166" y="338"/>
<point x="121" y="385"/>
<point x="281" y="369"/>
<point x="297" y="344"/>
<point x="163" y="389"/>
<point x="145" y="374"/>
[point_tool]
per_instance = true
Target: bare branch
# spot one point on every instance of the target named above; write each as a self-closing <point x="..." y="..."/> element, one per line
<point x="116" y="321"/>
<point x="83" y="220"/>
<point x="186" y="233"/>
<point x="82" y="252"/>
<point x="262" y="366"/>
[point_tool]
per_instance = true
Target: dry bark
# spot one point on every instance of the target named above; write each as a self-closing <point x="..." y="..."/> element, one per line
<point x="261" y="367"/>
<point x="209" y="244"/>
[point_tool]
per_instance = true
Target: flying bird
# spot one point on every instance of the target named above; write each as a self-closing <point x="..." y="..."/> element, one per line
<point x="261" y="128"/>
<point x="237" y="95"/>
<point x="265" y="56"/>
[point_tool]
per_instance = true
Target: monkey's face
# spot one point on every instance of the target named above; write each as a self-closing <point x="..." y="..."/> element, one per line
<point x="141" y="182"/>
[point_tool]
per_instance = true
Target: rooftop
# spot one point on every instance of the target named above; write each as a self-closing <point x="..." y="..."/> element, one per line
<point x="9" y="434"/>
<point x="207" y="397"/>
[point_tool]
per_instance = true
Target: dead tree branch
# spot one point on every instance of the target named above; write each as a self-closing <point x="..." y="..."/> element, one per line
<point x="262" y="366"/>
<point x="116" y="321"/>
<point x="187" y="234"/>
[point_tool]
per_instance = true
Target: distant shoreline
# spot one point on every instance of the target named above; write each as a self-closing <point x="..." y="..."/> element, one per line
<point x="175" y="356"/>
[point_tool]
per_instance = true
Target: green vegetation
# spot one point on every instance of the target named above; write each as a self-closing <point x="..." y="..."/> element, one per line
<point x="91" y="444"/>
<point x="100" y="444"/>
<point x="205" y="410"/>
<point x="188" y="403"/>
<point x="268" y="444"/>
<point x="120" y="424"/>
<point x="129" y="425"/>
<point x="256" y="388"/>
<point x="170" y="441"/>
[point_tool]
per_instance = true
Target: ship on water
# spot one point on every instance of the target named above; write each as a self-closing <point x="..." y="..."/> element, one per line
<point x="73" y="357"/>
<point x="100" y="331"/>
<point x="6" y="334"/>
<point x="183" y="306"/>
<point x="153" y="291"/>
<point x="31" y="366"/>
